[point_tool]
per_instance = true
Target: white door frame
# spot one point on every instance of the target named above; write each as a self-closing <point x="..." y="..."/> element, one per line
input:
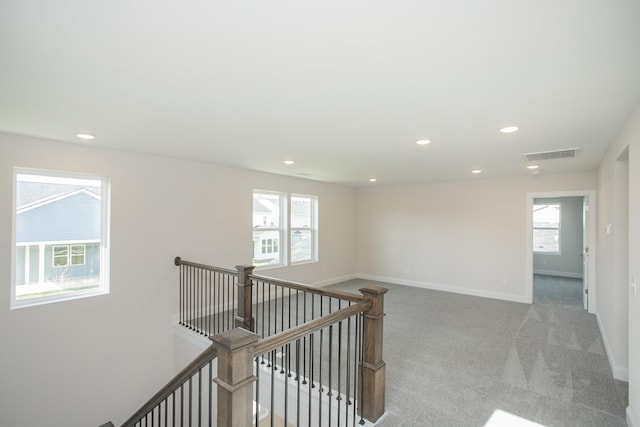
<point x="591" y="244"/>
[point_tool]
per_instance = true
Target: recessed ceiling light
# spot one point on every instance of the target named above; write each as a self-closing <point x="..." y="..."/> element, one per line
<point x="476" y="171"/>
<point x="85" y="136"/>
<point x="372" y="179"/>
<point x="509" y="129"/>
<point x="289" y="162"/>
<point x="532" y="167"/>
<point x="423" y="142"/>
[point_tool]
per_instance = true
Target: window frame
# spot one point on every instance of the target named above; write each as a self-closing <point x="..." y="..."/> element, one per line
<point x="558" y="228"/>
<point x="54" y="256"/>
<point x="103" y="286"/>
<point x="72" y="255"/>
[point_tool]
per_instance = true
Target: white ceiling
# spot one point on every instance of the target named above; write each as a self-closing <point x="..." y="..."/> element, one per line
<point x="342" y="87"/>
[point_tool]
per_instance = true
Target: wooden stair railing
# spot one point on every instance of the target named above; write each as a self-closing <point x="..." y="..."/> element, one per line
<point x="183" y="377"/>
<point x="214" y="300"/>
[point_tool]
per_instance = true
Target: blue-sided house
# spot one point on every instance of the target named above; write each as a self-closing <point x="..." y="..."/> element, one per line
<point x="58" y="239"/>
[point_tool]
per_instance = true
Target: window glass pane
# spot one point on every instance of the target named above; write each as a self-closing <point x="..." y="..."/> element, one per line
<point x="546" y="216"/>
<point x="546" y="228"/>
<point x="301" y="212"/>
<point x="58" y="215"/>
<point x="301" y="245"/>
<point x="546" y="240"/>
<point x="266" y="210"/>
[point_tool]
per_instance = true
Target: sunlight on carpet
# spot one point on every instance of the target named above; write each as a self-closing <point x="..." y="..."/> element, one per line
<point x="501" y="418"/>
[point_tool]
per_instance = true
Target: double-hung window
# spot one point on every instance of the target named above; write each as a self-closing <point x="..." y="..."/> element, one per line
<point x="61" y="231"/>
<point x="546" y="228"/>
<point x="285" y="228"/>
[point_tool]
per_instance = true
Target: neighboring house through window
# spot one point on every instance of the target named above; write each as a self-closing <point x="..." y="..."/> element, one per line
<point x="61" y="236"/>
<point x="271" y="224"/>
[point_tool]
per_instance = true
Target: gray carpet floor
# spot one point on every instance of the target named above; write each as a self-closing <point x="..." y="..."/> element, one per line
<point x="454" y="360"/>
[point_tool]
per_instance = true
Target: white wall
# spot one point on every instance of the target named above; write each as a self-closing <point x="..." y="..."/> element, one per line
<point x="87" y="361"/>
<point x="465" y="236"/>
<point x="613" y="255"/>
<point x="616" y="300"/>
<point x="568" y="262"/>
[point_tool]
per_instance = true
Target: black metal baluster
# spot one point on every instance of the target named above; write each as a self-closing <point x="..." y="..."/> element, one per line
<point x="181" y="294"/>
<point x="363" y="321"/>
<point x="311" y="377"/>
<point x="347" y="379"/>
<point x="289" y="345"/>
<point x="209" y="304"/>
<point x="199" y="300"/>
<point x="190" y="403"/>
<point x="355" y="368"/>
<point x="304" y="340"/>
<point x="330" y="363"/>
<point x="234" y="308"/>
<point x="210" y="399"/>
<point x="282" y="349"/>
<point x="182" y="405"/>
<point x="320" y="388"/>
<point x="173" y="408"/>
<point x="286" y="396"/>
<point x="200" y="398"/>
<point x="298" y="382"/>
<point x="273" y="355"/>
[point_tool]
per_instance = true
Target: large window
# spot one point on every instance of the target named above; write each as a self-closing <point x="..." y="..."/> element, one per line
<point x="546" y="228"/>
<point x="271" y="224"/>
<point x="60" y="248"/>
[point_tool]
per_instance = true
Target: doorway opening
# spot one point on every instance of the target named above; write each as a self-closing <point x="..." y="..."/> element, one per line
<point x="560" y="240"/>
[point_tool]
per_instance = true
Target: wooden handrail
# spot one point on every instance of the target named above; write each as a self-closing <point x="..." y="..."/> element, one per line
<point x="178" y="261"/>
<point x="302" y="287"/>
<point x="196" y="364"/>
<point x="290" y="335"/>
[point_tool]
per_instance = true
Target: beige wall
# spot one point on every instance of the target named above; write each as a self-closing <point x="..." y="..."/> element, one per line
<point x="87" y="361"/>
<point x="466" y="236"/>
<point x="619" y="256"/>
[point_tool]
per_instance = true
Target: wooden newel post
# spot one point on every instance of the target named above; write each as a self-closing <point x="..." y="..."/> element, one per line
<point x="244" y="315"/>
<point x="373" y="371"/>
<point x="235" y="377"/>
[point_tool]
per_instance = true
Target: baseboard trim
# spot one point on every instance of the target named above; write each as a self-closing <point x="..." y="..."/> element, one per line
<point x="558" y="273"/>
<point x="619" y="372"/>
<point x="333" y="281"/>
<point x="632" y="419"/>
<point x="447" y="288"/>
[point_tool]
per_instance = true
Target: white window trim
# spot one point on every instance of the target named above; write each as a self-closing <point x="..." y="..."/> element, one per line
<point x="104" y="283"/>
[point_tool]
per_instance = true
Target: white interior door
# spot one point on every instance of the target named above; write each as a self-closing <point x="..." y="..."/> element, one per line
<point x="585" y="252"/>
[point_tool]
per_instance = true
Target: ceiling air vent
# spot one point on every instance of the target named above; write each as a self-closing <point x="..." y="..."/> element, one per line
<point x="568" y="153"/>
